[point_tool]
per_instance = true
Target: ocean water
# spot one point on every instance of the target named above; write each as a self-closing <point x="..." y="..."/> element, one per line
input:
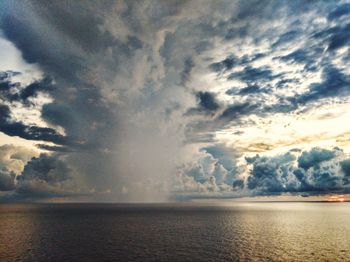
<point x="175" y="232"/>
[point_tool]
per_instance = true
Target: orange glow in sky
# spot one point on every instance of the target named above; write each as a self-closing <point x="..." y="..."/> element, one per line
<point x="339" y="198"/>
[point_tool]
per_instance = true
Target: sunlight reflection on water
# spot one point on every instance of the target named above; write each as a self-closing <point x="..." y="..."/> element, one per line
<point x="175" y="232"/>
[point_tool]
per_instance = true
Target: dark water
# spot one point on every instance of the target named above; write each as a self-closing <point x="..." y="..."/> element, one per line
<point x="188" y="232"/>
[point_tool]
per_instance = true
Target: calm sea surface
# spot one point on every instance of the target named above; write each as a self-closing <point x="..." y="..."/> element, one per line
<point x="178" y="232"/>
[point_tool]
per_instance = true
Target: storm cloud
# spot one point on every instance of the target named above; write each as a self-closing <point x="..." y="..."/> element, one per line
<point x="317" y="171"/>
<point x="159" y="100"/>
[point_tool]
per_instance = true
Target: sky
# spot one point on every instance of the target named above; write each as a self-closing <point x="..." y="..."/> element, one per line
<point x="147" y="101"/>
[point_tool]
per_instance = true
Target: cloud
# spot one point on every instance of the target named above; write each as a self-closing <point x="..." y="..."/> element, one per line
<point x="207" y="104"/>
<point x="7" y="180"/>
<point x="214" y="171"/>
<point x="314" y="157"/>
<point x="250" y="74"/>
<point x="339" y="11"/>
<point x="334" y="83"/>
<point x="14" y="91"/>
<point x="335" y="37"/>
<point x="237" y="110"/>
<point x="46" y="176"/>
<point x="286" y="38"/>
<point x="12" y="161"/>
<point x="301" y="56"/>
<point x="233" y="61"/>
<point x="345" y="166"/>
<point x="313" y="172"/>
<point x="14" y="157"/>
<point x="118" y="79"/>
<point x="27" y="132"/>
<point x="271" y="174"/>
<point x="226" y="64"/>
<point x="248" y="90"/>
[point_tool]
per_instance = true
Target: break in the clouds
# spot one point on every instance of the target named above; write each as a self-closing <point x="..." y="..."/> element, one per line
<point x="160" y="100"/>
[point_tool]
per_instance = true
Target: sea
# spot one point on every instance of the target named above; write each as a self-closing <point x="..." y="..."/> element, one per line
<point x="237" y="231"/>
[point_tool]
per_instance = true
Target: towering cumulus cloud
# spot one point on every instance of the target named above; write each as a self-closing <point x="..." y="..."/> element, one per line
<point x="160" y="100"/>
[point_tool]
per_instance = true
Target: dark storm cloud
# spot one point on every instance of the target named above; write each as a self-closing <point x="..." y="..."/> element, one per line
<point x="7" y="179"/>
<point x="207" y="101"/>
<point x="6" y="86"/>
<point x="101" y="95"/>
<point x="19" y="33"/>
<point x="223" y="116"/>
<point x="14" y="91"/>
<point x="238" y="184"/>
<point x="207" y="104"/>
<point x="90" y="49"/>
<point x="42" y="176"/>
<point x="42" y="44"/>
<point x="46" y="168"/>
<point x="317" y="173"/>
<point x="58" y="45"/>
<point x="45" y="176"/>
<point x="345" y="166"/>
<point x="54" y="114"/>
<point x="12" y="128"/>
<point x="314" y="157"/>
<point x="33" y="88"/>
<point x="271" y="174"/>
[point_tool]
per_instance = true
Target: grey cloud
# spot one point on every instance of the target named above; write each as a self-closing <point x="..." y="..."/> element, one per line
<point x="286" y="37"/>
<point x="226" y="64"/>
<point x="7" y="180"/>
<point x="46" y="168"/>
<point x="238" y="110"/>
<point x="12" y="161"/>
<point x="120" y="67"/>
<point x="247" y="90"/>
<point x="14" y="91"/>
<point x="318" y="173"/>
<point x="334" y="37"/>
<point x="301" y="56"/>
<point x="334" y="83"/>
<point x="207" y="104"/>
<point x="345" y="166"/>
<point x="250" y="74"/>
<point x="28" y="132"/>
<point x="339" y="11"/>
<point x="215" y="171"/>
<point x="231" y="61"/>
<point x="314" y="156"/>
<point x="272" y="174"/>
<point x="46" y="176"/>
